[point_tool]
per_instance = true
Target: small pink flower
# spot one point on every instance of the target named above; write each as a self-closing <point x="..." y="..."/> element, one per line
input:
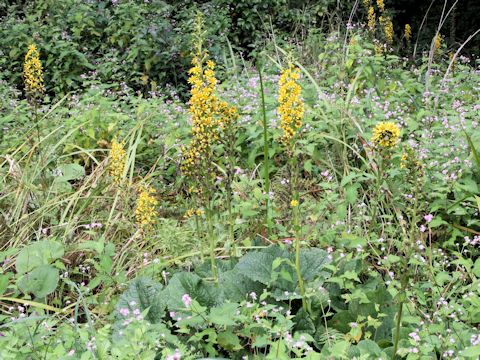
<point x="124" y="311"/>
<point x="423" y="228"/>
<point x="428" y="218"/>
<point x="187" y="300"/>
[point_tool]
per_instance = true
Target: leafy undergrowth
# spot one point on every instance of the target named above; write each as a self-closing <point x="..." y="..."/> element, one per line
<point x="321" y="205"/>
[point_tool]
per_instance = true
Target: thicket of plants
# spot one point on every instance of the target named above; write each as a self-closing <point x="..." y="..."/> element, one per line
<point x="316" y="199"/>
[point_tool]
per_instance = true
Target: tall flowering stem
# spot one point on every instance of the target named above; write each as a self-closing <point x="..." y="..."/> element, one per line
<point x="291" y="110"/>
<point x="385" y="137"/>
<point x="213" y="123"/>
<point x="266" y="156"/>
<point x="34" y="88"/>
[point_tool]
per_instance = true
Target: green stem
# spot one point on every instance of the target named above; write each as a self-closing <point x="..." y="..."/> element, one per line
<point x="266" y="157"/>
<point x="211" y="238"/>
<point x="378" y="185"/>
<point x="197" y="226"/>
<point x="397" y="331"/>
<point x="228" y="188"/>
<point x="296" y="227"/>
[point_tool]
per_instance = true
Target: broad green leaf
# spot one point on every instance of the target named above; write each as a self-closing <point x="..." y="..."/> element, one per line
<point x="224" y="315"/>
<point x="471" y="352"/>
<point x="189" y="283"/>
<point x="41" y="281"/>
<point x="142" y="293"/>
<point x="257" y="265"/>
<point x="237" y="287"/>
<point x="312" y="262"/>
<point x="38" y="253"/>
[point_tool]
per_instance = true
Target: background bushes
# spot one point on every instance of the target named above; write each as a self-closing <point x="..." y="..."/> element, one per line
<point x="146" y="45"/>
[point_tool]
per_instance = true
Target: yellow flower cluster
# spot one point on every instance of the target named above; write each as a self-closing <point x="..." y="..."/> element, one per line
<point x="385" y="135"/>
<point x="209" y="114"/>
<point x="378" y="47"/>
<point x="387" y="28"/>
<point x="371" y="18"/>
<point x="192" y="212"/>
<point x="145" y="211"/>
<point x="437" y="42"/>
<point x="410" y="162"/>
<point x="118" y="159"/>
<point x="33" y="72"/>
<point x="294" y="203"/>
<point x="408" y="32"/>
<point x="381" y="5"/>
<point x="291" y="107"/>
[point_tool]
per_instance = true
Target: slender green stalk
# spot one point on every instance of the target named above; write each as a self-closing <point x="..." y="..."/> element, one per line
<point x="296" y="225"/>
<point x="211" y="238"/>
<point x="228" y="189"/>
<point x="266" y="156"/>
<point x="397" y="331"/>
<point x="199" y="234"/>
<point x="211" y="235"/>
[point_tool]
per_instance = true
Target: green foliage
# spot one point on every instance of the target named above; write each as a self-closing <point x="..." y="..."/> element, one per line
<point x="377" y="227"/>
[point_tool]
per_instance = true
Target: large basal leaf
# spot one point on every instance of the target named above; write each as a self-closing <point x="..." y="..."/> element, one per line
<point x="370" y="348"/>
<point x="143" y="293"/>
<point x="236" y="287"/>
<point x="189" y="283"/>
<point x="312" y="263"/>
<point x="38" y="253"/>
<point x="41" y="281"/>
<point x="257" y="265"/>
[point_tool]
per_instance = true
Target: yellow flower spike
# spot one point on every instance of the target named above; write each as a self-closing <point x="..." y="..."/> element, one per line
<point x="404" y="161"/>
<point x="291" y="106"/>
<point x="371" y="18"/>
<point x="33" y="72"/>
<point x="385" y="135"/>
<point x="209" y="115"/>
<point x="117" y="161"/>
<point x="437" y="42"/>
<point x="388" y="29"/>
<point x="381" y="5"/>
<point x="145" y="212"/>
<point x="408" y="32"/>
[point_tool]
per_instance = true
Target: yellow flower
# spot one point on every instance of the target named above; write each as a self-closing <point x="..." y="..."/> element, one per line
<point x="192" y="212"/>
<point x="291" y="107"/>
<point x="189" y="213"/>
<point x="410" y="162"/>
<point x="145" y="211"/>
<point x="33" y="72"/>
<point x="403" y="161"/>
<point x="388" y="29"/>
<point x="408" y="32"/>
<point x="118" y="159"/>
<point x="385" y="134"/>
<point x="437" y="42"/>
<point x="381" y="5"/>
<point x="378" y="47"/>
<point x="209" y="115"/>
<point x="371" y="18"/>
<point x="294" y="203"/>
